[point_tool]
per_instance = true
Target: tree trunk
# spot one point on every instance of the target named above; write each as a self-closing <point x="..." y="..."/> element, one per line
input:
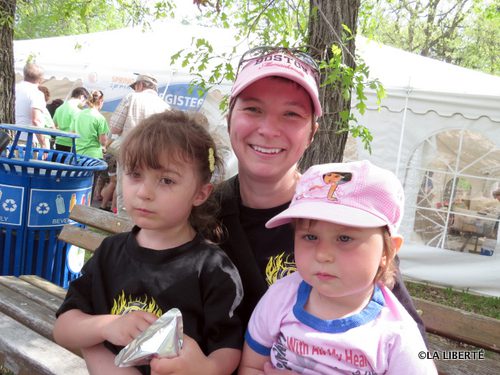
<point x="7" y="78"/>
<point x="328" y="146"/>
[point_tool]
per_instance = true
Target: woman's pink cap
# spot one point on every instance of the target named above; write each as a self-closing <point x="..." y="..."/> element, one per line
<point x="356" y="194"/>
<point x="278" y="64"/>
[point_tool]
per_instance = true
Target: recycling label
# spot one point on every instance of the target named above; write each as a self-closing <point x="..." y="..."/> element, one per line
<point x="50" y="208"/>
<point x="11" y="204"/>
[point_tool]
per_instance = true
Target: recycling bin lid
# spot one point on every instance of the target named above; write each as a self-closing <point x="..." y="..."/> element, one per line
<point x="38" y="130"/>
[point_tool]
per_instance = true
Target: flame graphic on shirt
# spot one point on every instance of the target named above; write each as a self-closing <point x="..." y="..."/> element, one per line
<point x="123" y="305"/>
<point x="279" y="266"/>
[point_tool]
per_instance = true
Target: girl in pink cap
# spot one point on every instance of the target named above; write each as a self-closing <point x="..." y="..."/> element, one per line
<point x="336" y="314"/>
<point x="272" y="119"/>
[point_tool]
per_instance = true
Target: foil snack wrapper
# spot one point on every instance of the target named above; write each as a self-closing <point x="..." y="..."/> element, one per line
<point x="163" y="339"/>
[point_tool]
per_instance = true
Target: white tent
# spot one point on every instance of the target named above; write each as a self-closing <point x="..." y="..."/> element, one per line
<point x="439" y="127"/>
<point x="108" y="61"/>
<point x="437" y="119"/>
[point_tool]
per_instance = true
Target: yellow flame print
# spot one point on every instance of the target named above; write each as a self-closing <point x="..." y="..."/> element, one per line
<point x="279" y="267"/>
<point x="123" y="305"/>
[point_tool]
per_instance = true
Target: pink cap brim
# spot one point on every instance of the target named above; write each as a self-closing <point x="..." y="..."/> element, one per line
<point x="338" y="214"/>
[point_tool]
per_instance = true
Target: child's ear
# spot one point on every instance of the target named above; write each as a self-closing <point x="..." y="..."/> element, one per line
<point x="397" y="242"/>
<point x="203" y="193"/>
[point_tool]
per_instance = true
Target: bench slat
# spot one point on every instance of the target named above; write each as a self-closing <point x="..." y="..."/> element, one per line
<point x="489" y="365"/>
<point x="25" y="352"/>
<point x="103" y="220"/>
<point x="45" y="285"/>
<point x="33" y="315"/>
<point x="32" y="292"/>
<point x="460" y="325"/>
<point x="81" y="237"/>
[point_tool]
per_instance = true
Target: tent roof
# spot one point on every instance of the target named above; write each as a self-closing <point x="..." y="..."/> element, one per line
<point x="119" y="52"/>
<point x="430" y="85"/>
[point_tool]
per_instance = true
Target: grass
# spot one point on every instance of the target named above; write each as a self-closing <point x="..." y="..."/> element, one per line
<point x="483" y="305"/>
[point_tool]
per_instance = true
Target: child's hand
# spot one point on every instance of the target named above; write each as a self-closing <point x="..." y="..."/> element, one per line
<point x="127" y="327"/>
<point x="189" y="361"/>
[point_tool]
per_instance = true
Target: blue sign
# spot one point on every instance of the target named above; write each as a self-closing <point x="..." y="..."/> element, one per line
<point x="51" y="208"/>
<point x="184" y="97"/>
<point x="180" y="96"/>
<point x="11" y="204"/>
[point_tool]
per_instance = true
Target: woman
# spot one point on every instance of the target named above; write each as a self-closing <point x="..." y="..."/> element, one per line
<point x="92" y="127"/>
<point x="272" y="117"/>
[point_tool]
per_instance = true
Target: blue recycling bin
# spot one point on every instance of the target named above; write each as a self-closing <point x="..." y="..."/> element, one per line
<point x="38" y="189"/>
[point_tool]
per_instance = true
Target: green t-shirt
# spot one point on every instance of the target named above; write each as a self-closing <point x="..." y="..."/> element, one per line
<point x="63" y="117"/>
<point x="90" y="124"/>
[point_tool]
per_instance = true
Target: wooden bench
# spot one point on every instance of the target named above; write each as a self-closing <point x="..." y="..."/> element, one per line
<point x="449" y="330"/>
<point x="27" y="315"/>
<point x="98" y="225"/>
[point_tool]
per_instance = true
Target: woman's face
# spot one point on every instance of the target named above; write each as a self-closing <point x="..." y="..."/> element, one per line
<point x="271" y="125"/>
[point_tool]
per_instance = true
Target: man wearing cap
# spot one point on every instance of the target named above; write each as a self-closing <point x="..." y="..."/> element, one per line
<point x="134" y="108"/>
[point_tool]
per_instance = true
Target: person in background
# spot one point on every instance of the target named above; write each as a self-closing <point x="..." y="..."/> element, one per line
<point x="105" y="187"/>
<point x="65" y="115"/>
<point x="47" y="117"/>
<point x="53" y="105"/>
<point x="273" y="110"/>
<point x="134" y="108"/>
<point x="108" y="191"/>
<point x="338" y="301"/>
<point x="169" y="160"/>
<point x="30" y="103"/>
<point x="92" y="127"/>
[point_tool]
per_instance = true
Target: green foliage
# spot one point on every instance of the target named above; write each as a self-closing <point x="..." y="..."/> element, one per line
<point x="462" y="32"/>
<point x="47" y="18"/>
<point x="283" y="23"/>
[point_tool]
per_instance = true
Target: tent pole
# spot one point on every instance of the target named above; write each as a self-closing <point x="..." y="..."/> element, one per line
<point x="403" y="125"/>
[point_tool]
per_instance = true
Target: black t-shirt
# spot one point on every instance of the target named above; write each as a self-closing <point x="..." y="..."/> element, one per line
<point x="197" y="278"/>
<point x="274" y="253"/>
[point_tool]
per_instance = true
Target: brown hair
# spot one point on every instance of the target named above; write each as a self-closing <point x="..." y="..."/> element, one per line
<point x="183" y="136"/>
<point x="94" y="98"/>
<point x="46" y="92"/>
<point x="386" y="274"/>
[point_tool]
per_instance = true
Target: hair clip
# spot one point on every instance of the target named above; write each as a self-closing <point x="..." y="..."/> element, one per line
<point x="211" y="159"/>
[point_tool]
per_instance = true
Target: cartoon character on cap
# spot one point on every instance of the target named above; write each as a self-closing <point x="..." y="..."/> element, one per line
<point x="326" y="187"/>
<point x="339" y="299"/>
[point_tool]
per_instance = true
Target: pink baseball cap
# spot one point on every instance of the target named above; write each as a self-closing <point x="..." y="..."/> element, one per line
<point x="357" y="194"/>
<point x="280" y="64"/>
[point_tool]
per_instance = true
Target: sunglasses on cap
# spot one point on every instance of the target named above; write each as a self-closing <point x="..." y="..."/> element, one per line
<point x="259" y="52"/>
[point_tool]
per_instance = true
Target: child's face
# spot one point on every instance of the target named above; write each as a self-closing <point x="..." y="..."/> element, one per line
<point x="336" y="260"/>
<point x="161" y="200"/>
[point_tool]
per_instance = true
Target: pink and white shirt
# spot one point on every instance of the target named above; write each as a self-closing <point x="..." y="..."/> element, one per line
<point x="381" y="339"/>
